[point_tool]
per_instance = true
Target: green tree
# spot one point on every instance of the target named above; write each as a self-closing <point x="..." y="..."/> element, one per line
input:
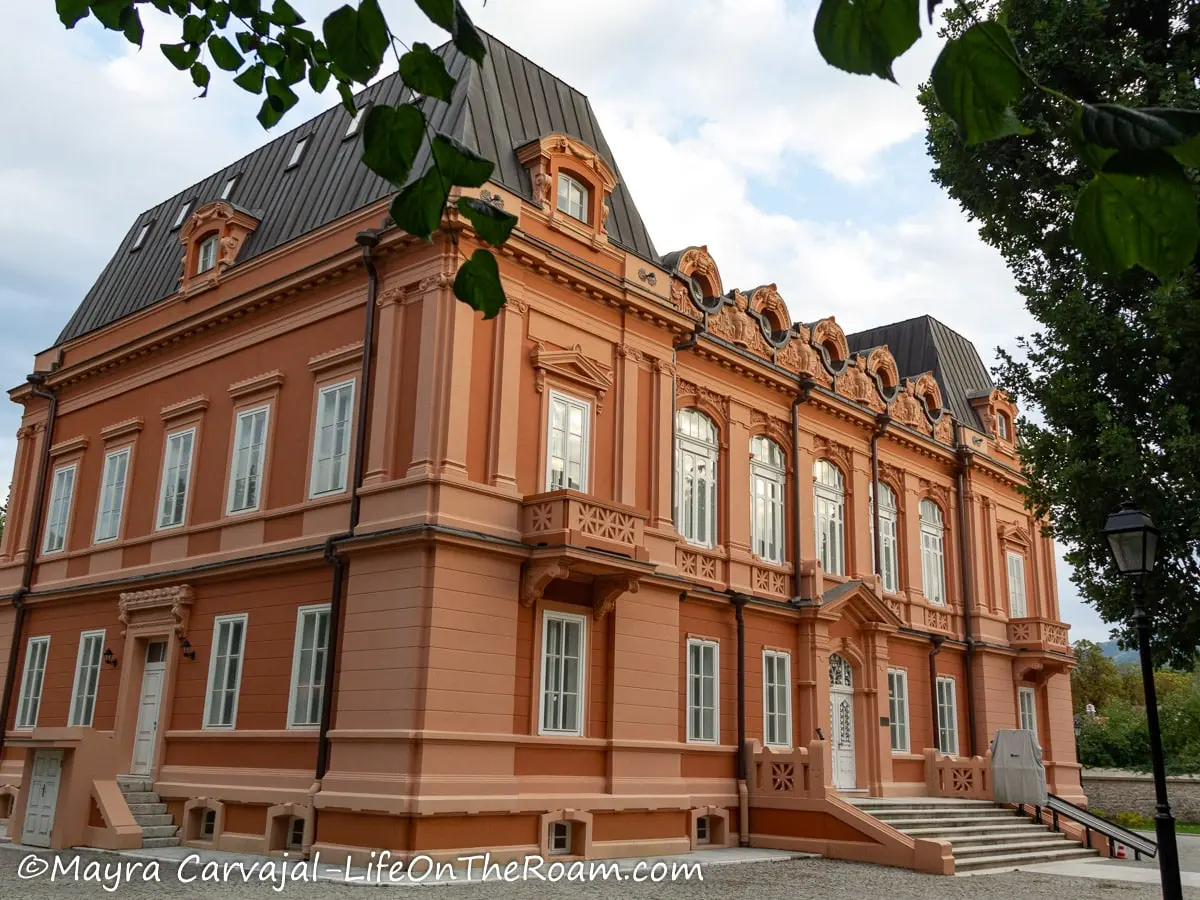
<point x="1113" y="370"/>
<point x="1095" y="679"/>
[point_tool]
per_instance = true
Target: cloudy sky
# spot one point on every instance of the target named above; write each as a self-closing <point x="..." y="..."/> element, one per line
<point x="728" y="128"/>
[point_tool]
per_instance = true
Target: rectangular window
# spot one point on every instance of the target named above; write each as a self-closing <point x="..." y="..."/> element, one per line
<point x="898" y="708"/>
<point x="36" y="652"/>
<point x="562" y="673"/>
<point x="702" y="703"/>
<point x="1017" y="607"/>
<point x="141" y="236"/>
<point x="59" y="516"/>
<point x="87" y="677"/>
<point x="331" y="442"/>
<point x="567" y="443"/>
<point x="947" y="703"/>
<point x="560" y="837"/>
<point x="227" y="191"/>
<point x="357" y="122"/>
<point x="1028" y="709"/>
<point x="225" y="671"/>
<point x="182" y="215"/>
<point x="308" y="667"/>
<point x="112" y="495"/>
<point x="297" y="152"/>
<point x="777" y="699"/>
<point x="697" y="494"/>
<point x="177" y="470"/>
<point x="249" y="444"/>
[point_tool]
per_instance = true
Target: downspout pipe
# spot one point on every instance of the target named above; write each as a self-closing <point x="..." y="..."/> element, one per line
<point x="882" y="421"/>
<point x="37" y="389"/>
<point x="803" y="393"/>
<point x="936" y="640"/>
<point x="964" y="562"/>
<point x="739" y="610"/>
<point x="368" y="240"/>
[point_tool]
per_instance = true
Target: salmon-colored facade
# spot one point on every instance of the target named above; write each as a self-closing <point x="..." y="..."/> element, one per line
<point x="567" y="525"/>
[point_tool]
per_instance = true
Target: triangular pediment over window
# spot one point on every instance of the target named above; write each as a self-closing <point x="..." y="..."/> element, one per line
<point x="574" y="367"/>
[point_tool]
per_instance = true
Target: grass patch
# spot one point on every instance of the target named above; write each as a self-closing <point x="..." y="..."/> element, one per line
<point x="1138" y="822"/>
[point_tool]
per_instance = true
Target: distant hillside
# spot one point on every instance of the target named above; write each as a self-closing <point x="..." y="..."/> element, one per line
<point x="1116" y="654"/>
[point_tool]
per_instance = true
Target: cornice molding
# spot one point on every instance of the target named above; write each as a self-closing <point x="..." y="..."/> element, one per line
<point x="184" y="408"/>
<point x="267" y="381"/>
<point x="332" y="359"/>
<point x="122" y="429"/>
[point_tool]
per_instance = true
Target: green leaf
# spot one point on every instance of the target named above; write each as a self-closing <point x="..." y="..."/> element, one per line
<point x="108" y="12"/>
<point x="283" y="14"/>
<point x="492" y="224"/>
<point x="272" y="54"/>
<point x="1122" y="128"/>
<point x="1091" y="154"/>
<point x="976" y="79"/>
<point x="1188" y="154"/>
<point x="440" y="12"/>
<point x="252" y="79"/>
<point x="245" y="9"/>
<point x="357" y="39"/>
<point x="219" y="13"/>
<point x="466" y="37"/>
<point x="477" y="284"/>
<point x="459" y="164"/>
<point x="1140" y="210"/>
<point x="418" y="208"/>
<point x="866" y="36"/>
<point x="423" y="71"/>
<point x="181" y="56"/>
<point x="131" y="25"/>
<point x="224" y="54"/>
<point x="268" y="116"/>
<point x="71" y="11"/>
<point x="280" y="96"/>
<point x="200" y="77"/>
<point x="347" y="95"/>
<point x="318" y="78"/>
<point x="196" y="29"/>
<point x="391" y="138"/>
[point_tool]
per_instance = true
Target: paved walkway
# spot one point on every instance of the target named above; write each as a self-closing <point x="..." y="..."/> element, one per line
<point x="1143" y="871"/>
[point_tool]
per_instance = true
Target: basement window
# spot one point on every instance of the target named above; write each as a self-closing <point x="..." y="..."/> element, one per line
<point x="296" y="833"/>
<point x="560" y="837"/>
<point x="297" y="153"/>
<point x="141" y="236"/>
<point x="703" y="835"/>
<point x="209" y="827"/>
<point x="183" y="214"/>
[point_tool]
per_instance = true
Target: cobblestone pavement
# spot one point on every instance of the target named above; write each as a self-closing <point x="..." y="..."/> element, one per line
<point x="810" y="879"/>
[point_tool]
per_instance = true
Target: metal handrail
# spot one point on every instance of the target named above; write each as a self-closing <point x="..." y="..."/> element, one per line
<point x="1138" y="843"/>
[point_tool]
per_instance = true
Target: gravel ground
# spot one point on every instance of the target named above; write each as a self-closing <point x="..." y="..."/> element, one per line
<point x="811" y="878"/>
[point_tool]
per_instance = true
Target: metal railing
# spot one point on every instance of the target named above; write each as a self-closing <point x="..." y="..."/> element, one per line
<point x="1138" y="843"/>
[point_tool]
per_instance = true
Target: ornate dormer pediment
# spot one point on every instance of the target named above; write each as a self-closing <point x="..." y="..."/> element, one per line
<point x="227" y="228"/>
<point x="554" y="155"/>
<point x="573" y="366"/>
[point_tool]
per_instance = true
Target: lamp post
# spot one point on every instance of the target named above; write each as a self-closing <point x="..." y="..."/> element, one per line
<point x="1132" y="538"/>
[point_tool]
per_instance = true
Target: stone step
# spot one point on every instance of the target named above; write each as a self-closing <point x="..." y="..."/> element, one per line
<point x="930" y="830"/>
<point x="162" y="819"/>
<point x="141" y="797"/>
<point x="1012" y="860"/>
<point x="147" y="809"/>
<point x="886" y="803"/>
<point x="945" y="821"/>
<point x="1049" y="842"/>
<point x="160" y="842"/>
<point x="954" y="812"/>
<point x="1007" y="837"/>
<point x="159" y="831"/>
<point x="129" y="783"/>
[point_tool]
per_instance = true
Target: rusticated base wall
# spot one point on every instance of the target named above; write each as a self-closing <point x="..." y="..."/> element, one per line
<point x="1115" y="792"/>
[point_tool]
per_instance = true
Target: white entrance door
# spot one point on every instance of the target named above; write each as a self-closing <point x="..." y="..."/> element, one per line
<point x="151" y="697"/>
<point x="841" y="722"/>
<point x="43" y="797"/>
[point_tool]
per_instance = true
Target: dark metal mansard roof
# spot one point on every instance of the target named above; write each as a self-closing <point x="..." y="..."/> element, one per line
<point x="924" y="344"/>
<point x="496" y="107"/>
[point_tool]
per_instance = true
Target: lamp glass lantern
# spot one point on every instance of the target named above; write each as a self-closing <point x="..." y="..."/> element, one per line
<point x="1133" y="539"/>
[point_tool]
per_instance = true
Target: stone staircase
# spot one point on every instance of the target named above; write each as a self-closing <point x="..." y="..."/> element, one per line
<point x="158" y="826"/>
<point x="983" y="834"/>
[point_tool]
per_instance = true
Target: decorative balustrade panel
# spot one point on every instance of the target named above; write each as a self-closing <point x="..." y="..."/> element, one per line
<point x="701" y="565"/>
<point x="569" y="518"/>
<point x="771" y="582"/>
<point x="786" y="774"/>
<point x="1038" y="633"/>
<point x="968" y="778"/>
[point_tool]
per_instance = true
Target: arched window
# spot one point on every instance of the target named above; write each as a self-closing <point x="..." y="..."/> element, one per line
<point x="1002" y="427"/>
<point x="830" y="494"/>
<point x="768" y="475"/>
<point x="696" y="477"/>
<point x="889" y="569"/>
<point x="206" y="258"/>
<point x="572" y="197"/>
<point x="933" y="552"/>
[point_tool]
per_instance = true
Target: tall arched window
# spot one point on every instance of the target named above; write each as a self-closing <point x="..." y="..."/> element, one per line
<point x="768" y="475"/>
<point x="572" y="197"/>
<point x="889" y="569"/>
<point x="933" y="552"/>
<point x="830" y="494"/>
<point x="696" y="457"/>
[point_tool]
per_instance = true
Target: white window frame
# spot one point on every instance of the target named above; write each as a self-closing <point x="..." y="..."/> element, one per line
<point x="342" y="460"/>
<point x="87" y="667"/>
<point x="580" y="706"/>
<point x="710" y="715"/>
<point x="230" y="184"/>
<point x="565" y="204"/>
<point x="772" y="691"/>
<point x="947" y="723"/>
<point x="183" y="214"/>
<point x="141" y="235"/>
<point x="1002" y="426"/>
<point x="164" y="488"/>
<point x="206" y="254"/>
<point x="933" y="554"/>
<point x="60" y="502"/>
<point x="829" y="512"/>
<point x="357" y="120"/>
<point x="32" y="682"/>
<point x="297" y="152"/>
<point x="889" y="541"/>
<point x="688" y="520"/>
<point x="235" y="459"/>
<point x="316" y="678"/>
<point x="110" y="507"/>
<point x="1018" y="601"/>
<point x="584" y="408"/>
<point x="553" y="845"/>
<point x="898" y="709"/>
<point x="768" y="487"/>
<point x="1027" y="718"/>
<point x="213" y="656"/>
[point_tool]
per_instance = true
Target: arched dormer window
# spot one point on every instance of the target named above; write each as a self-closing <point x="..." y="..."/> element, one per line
<point x="768" y="477"/>
<point x="829" y="493"/>
<point x="211" y="238"/>
<point x="933" y="552"/>
<point x="206" y="256"/>
<point x="696" y="458"/>
<point x="572" y="197"/>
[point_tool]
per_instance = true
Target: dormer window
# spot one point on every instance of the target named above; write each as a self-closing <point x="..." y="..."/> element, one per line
<point x="1003" y="428"/>
<point x="207" y="256"/>
<point x="227" y="191"/>
<point x="297" y="152"/>
<point x="141" y="235"/>
<point x="572" y="197"/>
<point x="183" y="214"/>
<point x="357" y="122"/>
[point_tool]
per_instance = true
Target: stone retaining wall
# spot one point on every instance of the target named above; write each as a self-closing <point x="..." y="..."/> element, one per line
<point x="1113" y="791"/>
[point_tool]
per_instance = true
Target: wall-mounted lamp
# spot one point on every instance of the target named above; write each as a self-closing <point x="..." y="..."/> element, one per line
<point x="110" y="658"/>
<point x="185" y="647"/>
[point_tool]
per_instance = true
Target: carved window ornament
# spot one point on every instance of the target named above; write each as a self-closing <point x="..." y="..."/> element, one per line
<point x="585" y="210"/>
<point x="881" y="366"/>
<point x="930" y="395"/>
<point x="998" y="414"/>
<point x="571" y="366"/>
<point x="830" y="343"/>
<point x="212" y="237"/>
<point x="771" y="314"/>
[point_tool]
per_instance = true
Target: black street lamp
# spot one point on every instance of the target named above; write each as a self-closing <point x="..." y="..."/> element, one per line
<point x="1132" y="538"/>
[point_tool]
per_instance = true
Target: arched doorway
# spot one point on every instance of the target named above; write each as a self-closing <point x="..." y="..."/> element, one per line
<point x="841" y="722"/>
